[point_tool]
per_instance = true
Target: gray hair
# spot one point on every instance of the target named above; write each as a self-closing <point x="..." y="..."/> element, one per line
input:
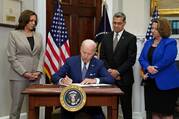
<point x="120" y="14"/>
<point x="89" y="43"/>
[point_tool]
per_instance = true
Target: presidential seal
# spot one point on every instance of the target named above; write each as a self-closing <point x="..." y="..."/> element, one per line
<point x="72" y="98"/>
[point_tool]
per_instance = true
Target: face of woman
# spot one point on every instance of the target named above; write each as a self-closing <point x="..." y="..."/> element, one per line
<point x="31" y="24"/>
<point x="155" y="32"/>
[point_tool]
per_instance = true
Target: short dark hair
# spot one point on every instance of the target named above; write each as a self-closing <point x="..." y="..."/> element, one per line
<point x="163" y="27"/>
<point x="25" y="18"/>
<point x="120" y="14"/>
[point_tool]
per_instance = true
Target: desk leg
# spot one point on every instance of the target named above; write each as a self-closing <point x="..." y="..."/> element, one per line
<point x="112" y="111"/>
<point x="109" y="113"/>
<point x="33" y="111"/>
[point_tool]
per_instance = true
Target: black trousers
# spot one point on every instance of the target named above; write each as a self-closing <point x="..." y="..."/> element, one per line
<point x="93" y="113"/>
<point x="149" y="115"/>
<point x="126" y="101"/>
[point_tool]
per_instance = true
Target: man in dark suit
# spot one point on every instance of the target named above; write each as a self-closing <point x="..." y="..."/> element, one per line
<point x="118" y="51"/>
<point x="73" y="72"/>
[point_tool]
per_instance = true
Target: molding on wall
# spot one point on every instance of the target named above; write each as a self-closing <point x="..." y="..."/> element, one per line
<point x="7" y="25"/>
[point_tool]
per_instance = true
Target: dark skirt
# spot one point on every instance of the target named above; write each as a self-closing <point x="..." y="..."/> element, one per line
<point x="159" y="101"/>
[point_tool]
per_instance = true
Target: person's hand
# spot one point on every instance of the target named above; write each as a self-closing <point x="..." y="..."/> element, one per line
<point x="114" y="73"/>
<point x="66" y="81"/>
<point x="145" y="77"/>
<point x="36" y="75"/>
<point x="118" y="77"/>
<point x="88" y="81"/>
<point x="152" y="69"/>
<point x="29" y="76"/>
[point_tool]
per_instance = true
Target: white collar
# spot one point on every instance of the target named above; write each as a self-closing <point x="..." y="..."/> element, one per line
<point x="82" y="64"/>
<point x="119" y="34"/>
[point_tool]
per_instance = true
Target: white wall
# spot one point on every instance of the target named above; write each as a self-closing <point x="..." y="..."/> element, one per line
<point x="1" y="13"/>
<point x="4" y="83"/>
<point x="5" y="99"/>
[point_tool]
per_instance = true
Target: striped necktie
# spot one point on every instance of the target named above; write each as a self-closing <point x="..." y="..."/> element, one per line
<point x="115" y="41"/>
<point x="84" y="70"/>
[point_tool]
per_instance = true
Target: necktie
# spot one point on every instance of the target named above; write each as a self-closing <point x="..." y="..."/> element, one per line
<point x="115" y="41"/>
<point x="84" y="71"/>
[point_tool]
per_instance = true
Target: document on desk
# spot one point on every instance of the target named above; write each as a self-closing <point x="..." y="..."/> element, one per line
<point x="90" y="85"/>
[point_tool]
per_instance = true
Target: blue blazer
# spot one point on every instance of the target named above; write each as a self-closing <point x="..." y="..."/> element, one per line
<point x="164" y="59"/>
<point x="72" y="68"/>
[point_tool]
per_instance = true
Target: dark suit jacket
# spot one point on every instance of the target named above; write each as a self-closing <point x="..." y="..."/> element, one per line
<point x="123" y="58"/>
<point x="72" y="68"/>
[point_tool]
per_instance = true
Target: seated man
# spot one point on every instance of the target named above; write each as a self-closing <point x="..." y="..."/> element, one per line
<point x="84" y="69"/>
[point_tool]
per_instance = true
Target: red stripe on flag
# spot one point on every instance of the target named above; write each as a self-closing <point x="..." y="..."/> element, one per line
<point x="55" y="68"/>
<point x="55" y="53"/>
<point x="67" y="48"/>
<point x="62" y="55"/>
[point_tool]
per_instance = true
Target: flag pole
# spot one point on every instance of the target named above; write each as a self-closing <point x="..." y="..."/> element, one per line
<point x="104" y="13"/>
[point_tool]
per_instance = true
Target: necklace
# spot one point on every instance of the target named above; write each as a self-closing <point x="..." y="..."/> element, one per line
<point x="155" y="43"/>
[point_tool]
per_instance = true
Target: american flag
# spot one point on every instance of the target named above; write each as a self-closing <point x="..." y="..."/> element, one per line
<point x="57" y="49"/>
<point x="155" y="15"/>
<point x="104" y="28"/>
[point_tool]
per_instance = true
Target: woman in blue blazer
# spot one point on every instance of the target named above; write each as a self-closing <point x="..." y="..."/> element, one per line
<point x="161" y="77"/>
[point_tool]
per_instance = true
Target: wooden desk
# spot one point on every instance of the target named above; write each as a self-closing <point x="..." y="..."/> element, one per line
<point x="48" y="95"/>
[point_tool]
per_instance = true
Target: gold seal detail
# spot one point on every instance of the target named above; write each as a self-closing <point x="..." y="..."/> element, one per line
<point x="72" y="98"/>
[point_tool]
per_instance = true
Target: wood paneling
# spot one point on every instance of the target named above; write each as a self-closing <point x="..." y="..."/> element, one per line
<point x="81" y="17"/>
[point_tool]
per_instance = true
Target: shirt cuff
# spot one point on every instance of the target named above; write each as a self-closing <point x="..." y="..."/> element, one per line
<point x="97" y="80"/>
<point x="60" y="81"/>
<point x="118" y="73"/>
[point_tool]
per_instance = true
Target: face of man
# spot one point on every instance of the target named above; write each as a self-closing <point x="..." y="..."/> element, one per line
<point x="118" y="24"/>
<point x="31" y="24"/>
<point x="87" y="53"/>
